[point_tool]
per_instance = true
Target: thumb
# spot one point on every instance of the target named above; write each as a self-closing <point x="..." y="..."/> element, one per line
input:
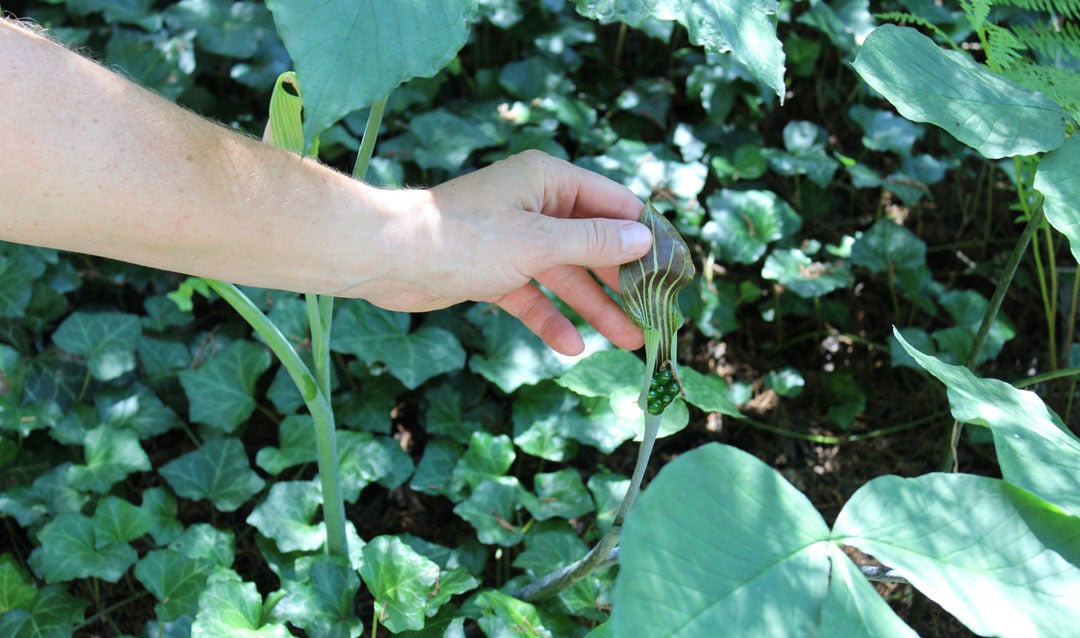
<point x="599" y="242"/>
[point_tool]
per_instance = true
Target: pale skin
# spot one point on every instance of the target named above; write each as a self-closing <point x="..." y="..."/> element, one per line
<point x="92" y="163"/>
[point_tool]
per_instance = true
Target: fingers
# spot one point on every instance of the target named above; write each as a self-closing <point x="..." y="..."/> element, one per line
<point x="581" y="292"/>
<point x="532" y="308"/>
<point x="593" y="243"/>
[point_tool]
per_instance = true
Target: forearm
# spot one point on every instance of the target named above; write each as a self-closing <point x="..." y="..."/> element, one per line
<point x="92" y="163"/>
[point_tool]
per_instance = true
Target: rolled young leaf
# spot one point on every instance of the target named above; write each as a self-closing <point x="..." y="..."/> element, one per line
<point x="649" y="288"/>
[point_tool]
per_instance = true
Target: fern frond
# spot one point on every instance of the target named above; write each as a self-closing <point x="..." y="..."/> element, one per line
<point x="1064" y="8"/>
<point x="976" y="12"/>
<point x="910" y="19"/>
<point x="1050" y="40"/>
<point x="1003" y="49"/>
<point x="1060" y="85"/>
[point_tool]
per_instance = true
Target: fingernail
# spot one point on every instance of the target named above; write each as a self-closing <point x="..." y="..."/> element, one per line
<point x="636" y="238"/>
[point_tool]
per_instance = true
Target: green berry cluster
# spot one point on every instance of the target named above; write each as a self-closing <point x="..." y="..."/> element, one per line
<point x="662" y="390"/>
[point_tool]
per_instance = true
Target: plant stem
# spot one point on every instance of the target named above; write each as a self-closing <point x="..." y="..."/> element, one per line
<point x="948" y="460"/>
<point x="367" y="143"/>
<point x="318" y="404"/>
<point x="606" y="551"/>
<point x="1047" y="376"/>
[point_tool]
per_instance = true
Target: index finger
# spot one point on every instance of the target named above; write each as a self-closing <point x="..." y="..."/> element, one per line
<point x="572" y="191"/>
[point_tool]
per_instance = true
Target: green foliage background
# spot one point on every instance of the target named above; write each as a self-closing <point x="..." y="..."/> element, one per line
<point x="158" y="464"/>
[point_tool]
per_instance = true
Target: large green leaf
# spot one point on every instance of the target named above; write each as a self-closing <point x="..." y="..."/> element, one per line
<point x="492" y="508"/>
<point x="69" y="550"/>
<point x="111" y="454"/>
<point x="854" y="608"/>
<point x="322" y="604"/>
<point x="175" y="580"/>
<point x="1059" y="181"/>
<point x="221" y="391"/>
<point x="995" y="116"/>
<point x="218" y="471"/>
<point x="743" y="223"/>
<point x="287" y="516"/>
<point x="513" y="356"/>
<point x="231" y="607"/>
<point x="377" y="335"/>
<point x="350" y="53"/>
<point x="1034" y="448"/>
<point x="400" y="580"/>
<point x="746" y="28"/>
<point x="1003" y="561"/>
<point x="106" y="339"/>
<point x="52" y="612"/>
<point x="719" y="539"/>
<point x="19" y="267"/>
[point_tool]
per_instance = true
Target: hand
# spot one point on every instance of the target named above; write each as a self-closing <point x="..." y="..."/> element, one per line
<point x="480" y="237"/>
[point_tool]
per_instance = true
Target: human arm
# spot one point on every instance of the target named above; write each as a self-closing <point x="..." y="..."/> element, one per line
<point x="92" y="163"/>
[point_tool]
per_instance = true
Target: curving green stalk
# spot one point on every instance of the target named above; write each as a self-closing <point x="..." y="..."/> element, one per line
<point x="284" y="130"/>
<point x="649" y="288"/>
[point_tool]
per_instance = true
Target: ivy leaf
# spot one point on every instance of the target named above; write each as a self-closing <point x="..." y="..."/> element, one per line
<point x="602" y="373"/>
<point x="118" y="521"/>
<point x="558" y="494"/>
<point x="996" y="117"/>
<point x="111" y="454"/>
<point x="539" y="424"/>
<point x="52" y="612"/>
<point x="1057" y="179"/>
<point x="137" y="408"/>
<point x="221" y="391"/>
<point x="297" y="445"/>
<point x="365" y="459"/>
<point x="803" y="276"/>
<point x="743" y="223"/>
<point x="205" y="542"/>
<point x="400" y="580"/>
<point x="433" y="472"/>
<point x="218" y="470"/>
<point x="287" y="516"/>
<point x="888" y="245"/>
<point x="159" y="506"/>
<point x="229" y="29"/>
<point x="16" y="589"/>
<point x="513" y="356"/>
<point x="231" y="607"/>
<point x="377" y="335"/>
<point x="106" y="339"/>
<point x="322" y="604"/>
<point x="885" y="130"/>
<point x="708" y="392"/>
<point x="504" y="615"/>
<point x="488" y="457"/>
<point x="491" y="510"/>
<point x="345" y="60"/>
<point x="69" y="550"/>
<point x="175" y="580"/>
<point x="19" y="267"/>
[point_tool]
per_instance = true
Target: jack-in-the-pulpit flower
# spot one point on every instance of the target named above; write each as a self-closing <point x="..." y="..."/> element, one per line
<point x="649" y="288"/>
